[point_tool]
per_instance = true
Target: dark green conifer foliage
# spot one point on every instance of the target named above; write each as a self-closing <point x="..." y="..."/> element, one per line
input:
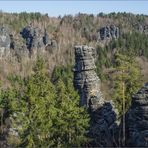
<point x="127" y="80"/>
<point x="43" y="114"/>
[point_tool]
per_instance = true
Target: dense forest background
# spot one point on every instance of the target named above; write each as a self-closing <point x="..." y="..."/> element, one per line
<point x="20" y="76"/>
<point x="69" y="31"/>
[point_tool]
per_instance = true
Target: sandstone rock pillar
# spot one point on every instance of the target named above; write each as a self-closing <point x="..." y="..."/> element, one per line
<point x="86" y="80"/>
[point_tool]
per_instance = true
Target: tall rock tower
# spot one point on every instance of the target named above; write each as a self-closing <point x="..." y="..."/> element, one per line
<point x="86" y="81"/>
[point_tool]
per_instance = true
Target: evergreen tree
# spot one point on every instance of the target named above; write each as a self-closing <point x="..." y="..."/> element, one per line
<point x="39" y="109"/>
<point x="42" y="115"/>
<point x="72" y="120"/>
<point x="127" y="80"/>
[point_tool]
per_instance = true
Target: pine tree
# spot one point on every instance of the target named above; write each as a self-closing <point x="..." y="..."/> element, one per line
<point x="30" y="104"/>
<point x="71" y="120"/>
<point x="127" y="81"/>
<point x="44" y="115"/>
<point x="39" y="109"/>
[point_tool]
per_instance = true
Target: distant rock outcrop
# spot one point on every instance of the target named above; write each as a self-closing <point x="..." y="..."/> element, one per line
<point x="35" y="42"/>
<point x="143" y="29"/>
<point x="87" y="83"/>
<point x="8" y="46"/>
<point x="108" y="32"/>
<point x="4" y="42"/>
<point x="137" y="119"/>
<point x="33" y="37"/>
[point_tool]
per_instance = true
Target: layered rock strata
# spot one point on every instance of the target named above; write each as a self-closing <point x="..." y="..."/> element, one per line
<point x="86" y="80"/>
<point x="108" y="32"/>
<point x="137" y="119"/>
<point x="87" y="83"/>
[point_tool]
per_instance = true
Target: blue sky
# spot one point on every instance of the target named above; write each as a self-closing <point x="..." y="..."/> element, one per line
<point x="56" y="8"/>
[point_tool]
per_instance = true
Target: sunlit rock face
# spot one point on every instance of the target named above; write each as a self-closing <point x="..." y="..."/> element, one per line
<point x="86" y="81"/>
<point x="4" y="42"/>
<point x="137" y="119"/>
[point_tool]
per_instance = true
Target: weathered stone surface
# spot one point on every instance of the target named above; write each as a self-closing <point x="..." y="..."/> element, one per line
<point x="137" y="119"/>
<point x="33" y="37"/>
<point x="4" y="42"/>
<point x="35" y="40"/>
<point x="108" y="32"/>
<point x="103" y="129"/>
<point x="86" y="81"/>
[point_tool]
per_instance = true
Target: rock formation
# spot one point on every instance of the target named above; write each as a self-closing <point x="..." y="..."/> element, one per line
<point x="8" y="46"/>
<point x="141" y="28"/>
<point x="36" y="42"/>
<point x="33" y="37"/>
<point x="4" y="42"/>
<point x="87" y="83"/>
<point x="137" y="119"/>
<point x="86" y="80"/>
<point x="108" y="32"/>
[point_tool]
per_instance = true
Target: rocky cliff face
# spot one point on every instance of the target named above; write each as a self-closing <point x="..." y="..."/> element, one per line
<point x="35" y="42"/>
<point x="103" y="130"/>
<point x="137" y="119"/>
<point x="87" y="83"/>
<point x="33" y="37"/>
<point x="4" y="42"/>
<point x="108" y="33"/>
<point x="36" y="39"/>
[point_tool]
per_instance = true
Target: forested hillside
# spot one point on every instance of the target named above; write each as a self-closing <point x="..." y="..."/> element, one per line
<point x="37" y="59"/>
<point x="71" y="30"/>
